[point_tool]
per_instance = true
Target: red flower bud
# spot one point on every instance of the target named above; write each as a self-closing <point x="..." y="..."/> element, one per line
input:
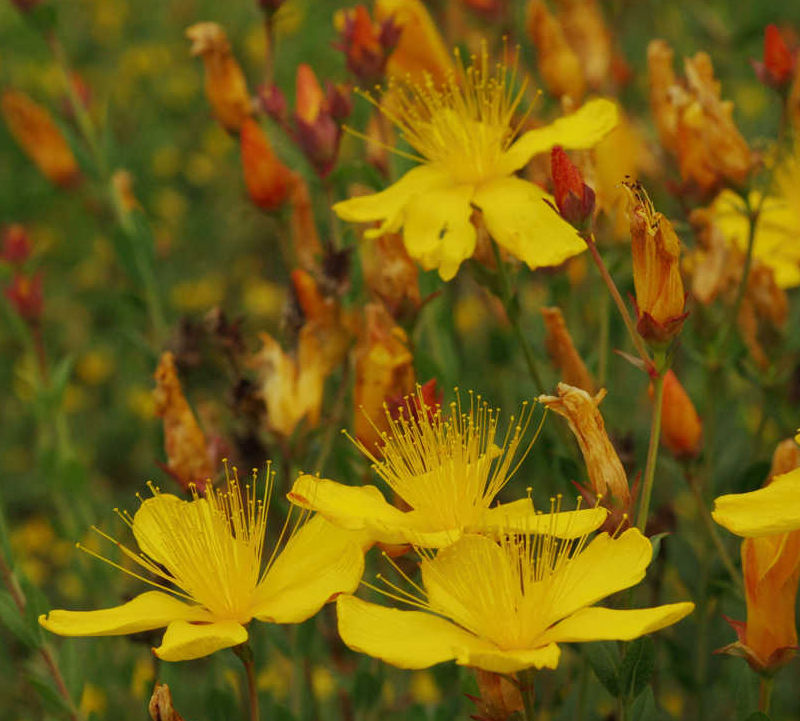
<point x="777" y="67"/>
<point x="25" y="294"/>
<point x="574" y="199"/>
<point x="16" y="245"/>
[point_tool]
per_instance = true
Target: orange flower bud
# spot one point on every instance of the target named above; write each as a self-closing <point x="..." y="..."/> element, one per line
<point x="420" y="49"/>
<point x="771" y="567"/>
<point x="656" y="273"/>
<point x="681" y="428"/>
<point x="777" y="67"/>
<point x="226" y="87"/>
<point x="384" y="370"/>
<point x="308" y="94"/>
<point x="563" y="353"/>
<point x="390" y="274"/>
<point x="558" y="64"/>
<point x="606" y="474"/>
<point x="39" y="137"/>
<point x="188" y="457"/>
<point x="305" y="238"/>
<point x="574" y="199"/>
<point x="785" y="458"/>
<point x="267" y="179"/>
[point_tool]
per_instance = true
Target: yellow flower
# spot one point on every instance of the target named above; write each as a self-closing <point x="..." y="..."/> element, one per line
<point x="465" y="139"/>
<point x="206" y="557"/>
<point x="448" y="469"/>
<point x="506" y="607"/>
<point x="777" y="229"/>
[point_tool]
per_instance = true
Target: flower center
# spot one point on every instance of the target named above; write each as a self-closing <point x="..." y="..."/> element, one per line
<point x="450" y="468"/>
<point x="466" y="124"/>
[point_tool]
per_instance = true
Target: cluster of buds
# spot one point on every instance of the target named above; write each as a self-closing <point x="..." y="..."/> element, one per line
<point x="366" y="44"/>
<point x="694" y="123"/>
<point x="777" y="67"/>
<point x="315" y="125"/>
<point x="656" y="249"/>
<point x="24" y="292"/>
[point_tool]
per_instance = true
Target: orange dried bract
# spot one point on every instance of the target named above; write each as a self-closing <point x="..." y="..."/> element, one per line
<point x="563" y="353"/>
<point x="188" y="458"/>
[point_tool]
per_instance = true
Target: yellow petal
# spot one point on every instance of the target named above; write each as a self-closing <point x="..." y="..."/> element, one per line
<point x="185" y="641"/>
<point x="607" y="624"/>
<point x="437" y="230"/>
<point x="584" y="128"/>
<point x="520" y="516"/>
<point x="408" y="639"/>
<point x="149" y="521"/>
<point x="769" y="510"/>
<point x="351" y="507"/>
<point x="510" y="661"/>
<point x="518" y="218"/>
<point x="153" y="609"/>
<point x="606" y="565"/>
<point x="319" y="562"/>
<point x="388" y="205"/>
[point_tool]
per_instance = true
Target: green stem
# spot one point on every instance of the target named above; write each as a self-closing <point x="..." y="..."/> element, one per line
<point x="527" y="688"/>
<point x="652" y="449"/>
<point x="245" y="653"/>
<point x="605" y="331"/>
<point x="765" y="693"/>
<point x="513" y="316"/>
<point x="623" y="310"/>
<point x="711" y="529"/>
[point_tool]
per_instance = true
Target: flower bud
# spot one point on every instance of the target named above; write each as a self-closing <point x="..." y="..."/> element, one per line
<point x="39" y="137"/>
<point x="574" y="199"/>
<point x="681" y="428"/>
<point x="16" y="245"/>
<point x="558" y="64"/>
<point x="771" y="569"/>
<point x="26" y="297"/>
<point x="267" y="179"/>
<point x="366" y="45"/>
<point x="188" y="457"/>
<point x="777" y="67"/>
<point x="656" y="273"/>
<point x="274" y="103"/>
<point x="225" y="84"/>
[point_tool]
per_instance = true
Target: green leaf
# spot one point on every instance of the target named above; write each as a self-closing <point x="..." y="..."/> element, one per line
<point x="758" y="716"/>
<point x="604" y="659"/>
<point x="49" y="695"/>
<point x="15" y="622"/>
<point x="655" y="542"/>
<point x="644" y="708"/>
<point x="637" y="666"/>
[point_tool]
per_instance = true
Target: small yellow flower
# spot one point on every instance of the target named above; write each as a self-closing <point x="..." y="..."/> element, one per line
<point x="465" y="138"/>
<point x="448" y="469"/>
<point x="206" y="557"/>
<point x="506" y="606"/>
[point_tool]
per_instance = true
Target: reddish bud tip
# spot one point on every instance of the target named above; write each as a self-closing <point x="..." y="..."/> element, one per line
<point x="574" y="199"/>
<point x="777" y="67"/>
<point x="16" y="245"/>
<point x="25" y="295"/>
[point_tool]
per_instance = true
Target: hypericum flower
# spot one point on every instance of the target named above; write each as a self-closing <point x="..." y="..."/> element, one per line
<point x="448" y="469"/>
<point x="506" y="606"/>
<point x="208" y="560"/>
<point x="769" y="519"/>
<point x="465" y="139"/>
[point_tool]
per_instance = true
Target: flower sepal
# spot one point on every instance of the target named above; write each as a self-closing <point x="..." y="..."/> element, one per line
<point x="764" y="667"/>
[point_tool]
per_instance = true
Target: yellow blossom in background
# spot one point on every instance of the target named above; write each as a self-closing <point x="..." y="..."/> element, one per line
<point x="465" y="140"/>
<point x="506" y="606"/>
<point x="93" y="700"/>
<point x="777" y="230"/>
<point x="448" y="467"/>
<point x="213" y="575"/>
